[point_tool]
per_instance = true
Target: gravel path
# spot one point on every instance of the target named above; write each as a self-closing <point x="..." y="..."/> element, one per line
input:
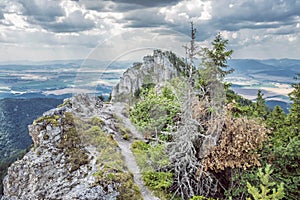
<point x="126" y="152"/>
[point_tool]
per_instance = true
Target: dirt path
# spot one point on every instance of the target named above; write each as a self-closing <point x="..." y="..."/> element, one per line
<point x="128" y="155"/>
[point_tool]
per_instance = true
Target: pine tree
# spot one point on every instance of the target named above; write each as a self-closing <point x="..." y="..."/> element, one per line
<point x="215" y="62"/>
<point x="276" y="118"/>
<point x="294" y="116"/>
<point x="260" y="109"/>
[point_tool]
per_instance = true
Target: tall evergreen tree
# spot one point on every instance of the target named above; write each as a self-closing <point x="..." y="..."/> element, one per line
<point x="214" y="61"/>
<point x="294" y="116"/>
<point x="260" y="108"/>
<point x="276" y="119"/>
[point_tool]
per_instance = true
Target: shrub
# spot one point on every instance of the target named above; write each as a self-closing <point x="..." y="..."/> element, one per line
<point x="158" y="180"/>
<point x="265" y="192"/>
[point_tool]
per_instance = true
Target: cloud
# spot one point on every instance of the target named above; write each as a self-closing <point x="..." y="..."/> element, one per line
<point x="71" y="25"/>
<point x="1" y="14"/>
<point x="108" y="6"/>
<point x="152" y="3"/>
<point x="236" y="15"/>
<point x="144" y="18"/>
<point x="56" y="16"/>
<point x="42" y="11"/>
<point x="75" y="22"/>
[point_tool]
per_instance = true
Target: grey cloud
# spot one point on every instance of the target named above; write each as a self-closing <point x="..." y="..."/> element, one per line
<point x="150" y="3"/>
<point x="1" y="11"/>
<point x="75" y="22"/>
<point x="248" y="13"/>
<point x="45" y="13"/>
<point x="144" y="18"/>
<point x="105" y="6"/>
<point x="123" y="5"/>
<point x="42" y="11"/>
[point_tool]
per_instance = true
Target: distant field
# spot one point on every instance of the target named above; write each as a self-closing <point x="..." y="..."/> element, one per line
<point x="61" y="79"/>
<point x="273" y="77"/>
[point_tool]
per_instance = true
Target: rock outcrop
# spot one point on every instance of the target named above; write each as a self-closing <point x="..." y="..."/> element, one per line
<point x="62" y="164"/>
<point x="157" y="68"/>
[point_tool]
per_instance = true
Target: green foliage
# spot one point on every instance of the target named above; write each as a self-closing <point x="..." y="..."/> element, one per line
<point x="260" y="108"/>
<point x="145" y="87"/>
<point x="53" y="120"/>
<point x="126" y="136"/>
<point x="276" y="119"/>
<point x="158" y="180"/>
<point x="177" y="62"/>
<point x="112" y="171"/>
<point x="294" y="116"/>
<point x="66" y="102"/>
<point x="126" y="186"/>
<point x="267" y="188"/>
<point x="282" y="150"/>
<point x="150" y="157"/>
<point x="214" y="62"/>
<point x="238" y="183"/>
<point x="239" y="105"/>
<point x="71" y="144"/>
<point x="155" y="111"/>
<point x="201" y="198"/>
<point x="153" y="162"/>
<point x="109" y="97"/>
<point x="96" y="121"/>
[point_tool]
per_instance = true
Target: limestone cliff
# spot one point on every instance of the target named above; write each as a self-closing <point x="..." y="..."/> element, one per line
<point x="157" y="68"/>
<point x="72" y="156"/>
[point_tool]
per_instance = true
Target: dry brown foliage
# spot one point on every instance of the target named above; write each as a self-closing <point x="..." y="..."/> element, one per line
<point x="237" y="146"/>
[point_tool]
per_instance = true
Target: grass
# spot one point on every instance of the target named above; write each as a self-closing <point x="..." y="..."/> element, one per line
<point x="46" y="120"/>
<point x="112" y="170"/>
<point x="153" y="162"/>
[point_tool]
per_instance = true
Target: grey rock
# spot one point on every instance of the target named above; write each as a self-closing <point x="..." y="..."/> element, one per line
<point x="155" y="69"/>
<point x="44" y="173"/>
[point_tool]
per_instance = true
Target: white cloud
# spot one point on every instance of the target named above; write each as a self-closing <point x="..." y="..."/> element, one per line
<point x="191" y="10"/>
<point x="35" y="29"/>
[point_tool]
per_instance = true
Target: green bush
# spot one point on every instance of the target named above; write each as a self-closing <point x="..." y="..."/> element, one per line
<point x="201" y="198"/>
<point x="158" y="180"/>
<point x="154" y="112"/>
<point x="267" y="188"/>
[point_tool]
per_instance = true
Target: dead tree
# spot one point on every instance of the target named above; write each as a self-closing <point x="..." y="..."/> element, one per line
<point x="190" y="137"/>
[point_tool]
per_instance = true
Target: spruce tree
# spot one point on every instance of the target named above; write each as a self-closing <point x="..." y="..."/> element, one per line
<point x="294" y="116"/>
<point x="260" y="109"/>
<point x="276" y="118"/>
<point x="214" y="62"/>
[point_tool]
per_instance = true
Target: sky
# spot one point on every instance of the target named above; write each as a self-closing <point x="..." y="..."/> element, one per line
<point x="109" y="29"/>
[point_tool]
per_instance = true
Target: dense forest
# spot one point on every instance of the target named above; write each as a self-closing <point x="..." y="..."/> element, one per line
<point x="206" y="142"/>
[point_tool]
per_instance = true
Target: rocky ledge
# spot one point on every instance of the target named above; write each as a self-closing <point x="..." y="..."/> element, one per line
<point x="67" y="160"/>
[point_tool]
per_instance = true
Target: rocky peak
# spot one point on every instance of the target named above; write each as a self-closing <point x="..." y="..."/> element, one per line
<point x="156" y="68"/>
<point x="66" y="158"/>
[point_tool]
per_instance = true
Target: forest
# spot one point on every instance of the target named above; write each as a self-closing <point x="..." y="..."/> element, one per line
<point x="207" y="142"/>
